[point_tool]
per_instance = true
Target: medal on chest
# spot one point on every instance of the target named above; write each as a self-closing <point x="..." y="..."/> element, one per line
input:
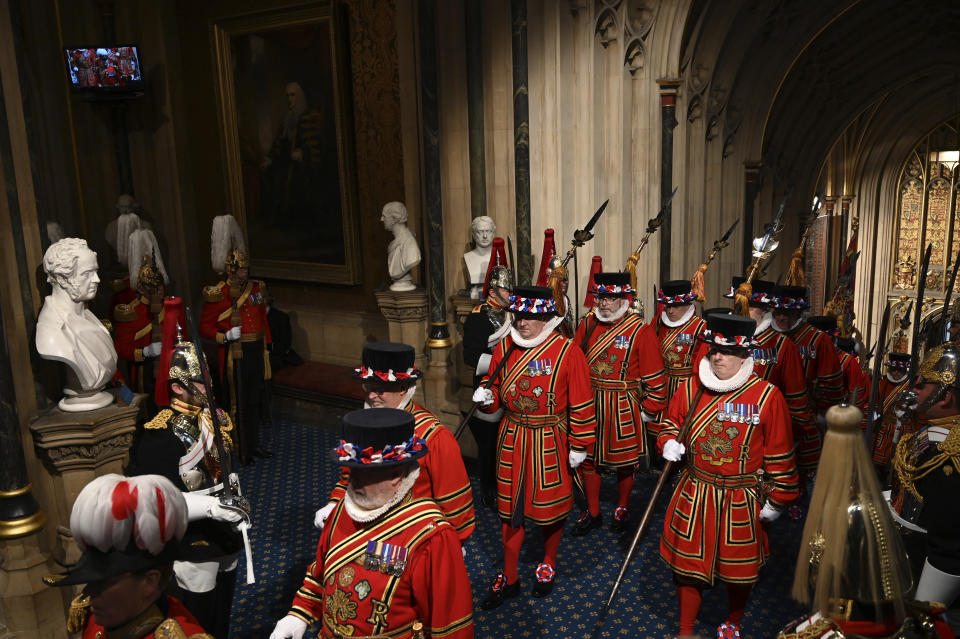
<point x="764" y="356"/>
<point x="621" y="342"/>
<point x="390" y="559"/>
<point x="808" y="352"/>
<point x="684" y="341"/>
<point x="604" y="364"/>
<point x="540" y="367"/>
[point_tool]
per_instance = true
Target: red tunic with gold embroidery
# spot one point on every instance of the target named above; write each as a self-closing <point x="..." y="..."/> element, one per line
<point x="174" y="610"/>
<point x="132" y="330"/>
<point x="777" y="360"/>
<point x="622" y="356"/>
<point x="443" y="477"/>
<point x="122" y="294"/>
<point x="712" y="528"/>
<point x="548" y="401"/>
<point x="885" y="434"/>
<point x="681" y="350"/>
<point x="821" y="366"/>
<point x="854" y="378"/>
<point x="423" y="579"/>
<point x="250" y="315"/>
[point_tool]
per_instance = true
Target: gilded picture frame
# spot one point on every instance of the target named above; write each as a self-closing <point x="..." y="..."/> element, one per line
<point x="283" y="86"/>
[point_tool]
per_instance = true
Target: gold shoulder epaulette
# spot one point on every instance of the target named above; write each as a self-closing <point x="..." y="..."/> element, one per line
<point x="119" y="284"/>
<point x="79" y="610"/>
<point x="126" y="312"/>
<point x="160" y="421"/>
<point x="213" y="293"/>
<point x="169" y="628"/>
<point x="477" y="308"/>
<point x="263" y="287"/>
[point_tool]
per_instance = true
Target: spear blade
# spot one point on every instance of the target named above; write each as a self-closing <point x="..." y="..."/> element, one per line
<point x="726" y="235"/>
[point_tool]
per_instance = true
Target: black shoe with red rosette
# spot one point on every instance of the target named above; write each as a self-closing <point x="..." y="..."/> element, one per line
<point x="546" y="576"/>
<point x="585" y="523"/>
<point x="499" y="592"/>
<point x="621" y="517"/>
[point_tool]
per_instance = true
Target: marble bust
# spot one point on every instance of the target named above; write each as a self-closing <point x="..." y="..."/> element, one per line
<point x="403" y="254"/>
<point x="483" y="229"/>
<point x="68" y="332"/>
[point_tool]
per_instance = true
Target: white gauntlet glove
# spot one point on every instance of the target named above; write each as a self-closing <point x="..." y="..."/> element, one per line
<point x="289" y="627"/>
<point x="768" y="513"/>
<point x="320" y="518"/>
<point x="483" y="396"/>
<point x="153" y="349"/>
<point x="673" y="450"/>
<point x="231" y="336"/>
<point x="208" y="507"/>
<point x="576" y="458"/>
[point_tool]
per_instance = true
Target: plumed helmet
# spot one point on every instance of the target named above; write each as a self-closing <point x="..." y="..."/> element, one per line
<point x="227" y="247"/>
<point x="502" y="277"/>
<point x="942" y="366"/>
<point x="148" y="274"/>
<point x="236" y="259"/>
<point x="185" y="363"/>
<point x="141" y="247"/>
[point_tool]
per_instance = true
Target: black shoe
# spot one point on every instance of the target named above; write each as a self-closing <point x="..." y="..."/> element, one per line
<point x="499" y="592"/>
<point x="262" y="452"/>
<point x="586" y="523"/>
<point x="546" y="576"/>
<point x="621" y="517"/>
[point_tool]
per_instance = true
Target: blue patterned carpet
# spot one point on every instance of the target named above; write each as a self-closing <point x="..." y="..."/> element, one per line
<point x="286" y="490"/>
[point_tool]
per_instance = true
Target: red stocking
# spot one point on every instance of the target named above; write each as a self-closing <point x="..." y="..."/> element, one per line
<point x="737" y="594"/>
<point x="512" y="541"/>
<point x="624" y="485"/>
<point x="591" y="483"/>
<point x="690" y="598"/>
<point x="551" y="542"/>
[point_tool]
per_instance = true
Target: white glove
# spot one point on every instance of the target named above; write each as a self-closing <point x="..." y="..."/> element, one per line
<point x="576" y="458"/>
<point x="768" y="513"/>
<point x="289" y="627"/>
<point x="483" y="396"/>
<point x="153" y="349"/>
<point x="208" y="507"/>
<point x="463" y="549"/>
<point x="673" y="450"/>
<point x="231" y="336"/>
<point x="320" y="518"/>
<point x="646" y="417"/>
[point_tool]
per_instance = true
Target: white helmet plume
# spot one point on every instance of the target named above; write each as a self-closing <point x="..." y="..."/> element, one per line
<point x="226" y="235"/>
<point x="127" y="223"/>
<point x="143" y="242"/>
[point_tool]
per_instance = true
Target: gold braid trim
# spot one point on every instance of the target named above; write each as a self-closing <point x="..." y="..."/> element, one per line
<point x="79" y="609"/>
<point x="908" y="474"/>
<point x="170" y="629"/>
<point x="160" y="421"/>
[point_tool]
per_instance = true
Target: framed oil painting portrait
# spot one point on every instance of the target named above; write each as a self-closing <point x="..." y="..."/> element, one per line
<point x="283" y="87"/>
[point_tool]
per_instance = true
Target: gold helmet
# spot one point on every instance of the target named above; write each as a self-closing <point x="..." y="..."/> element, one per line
<point x="502" y="277"/>
<point x="149" y="276"/>
<point x="941" y="366"/>
<point x="185" y="363"/>
<point x="236" y="260"/>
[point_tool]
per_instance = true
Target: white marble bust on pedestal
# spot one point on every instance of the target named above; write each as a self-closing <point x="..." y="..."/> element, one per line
<point x="403" y="254"/>
<point x="68" y="332"/>
<point x="483" y="229"/>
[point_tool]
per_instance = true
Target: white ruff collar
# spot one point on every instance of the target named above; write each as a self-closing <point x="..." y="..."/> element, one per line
<point x="764" y="324"/>
<point x="709" y="379"/>
<point x="539" y="339"/>
<point x="614" y="316"/>
<point x="362" y="515"/>
<point x="895" y="380"/>
<point x="680" y="322"/>
<point x="407" y="398"/>
<point x="787" y="330"/>
<point x="498" y="334"/>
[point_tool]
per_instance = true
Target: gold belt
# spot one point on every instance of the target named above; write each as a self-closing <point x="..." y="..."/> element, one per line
<point x="251" y="337"/>
<point x="722" y="481"/>
<point x="534" y="421"/>
<point x="600" y="383"/>
<point x="339" y="635"/>
<point x="679" y="370"/>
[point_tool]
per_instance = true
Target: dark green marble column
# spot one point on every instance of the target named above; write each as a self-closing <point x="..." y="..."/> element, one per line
<point x="668" y="122"/>
<point x="751" y="185"/>
<point x="521" y="140"/>
<point x="439" y="336"/>
<point x="473" y="28"/>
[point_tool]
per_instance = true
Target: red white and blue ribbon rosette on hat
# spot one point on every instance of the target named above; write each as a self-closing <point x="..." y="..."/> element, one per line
<point x="532" y="305"/>
<point x="348" y="452"/>
<point x="612" y="289"/>
<point x="388" y="375"/>
<point x="792" y="303"/>
<point x="719" y="339"/>
<point x="682" y="298"/>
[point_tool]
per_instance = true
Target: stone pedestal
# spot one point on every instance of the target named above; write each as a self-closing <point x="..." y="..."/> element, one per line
<point x="31" y="608"/>
<point x="76" y="448"/>
<point x="406" y="314"/>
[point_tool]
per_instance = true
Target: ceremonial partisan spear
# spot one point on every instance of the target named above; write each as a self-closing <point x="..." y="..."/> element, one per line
<point x="653" y="224"/>
<point x="580" y="237"/>
<point x="875" y="378"/>
<point x="795" y="274"/>
<point x="763" y="248"/>
<point x="697" y="281"/>
<point x="917" y="314"/>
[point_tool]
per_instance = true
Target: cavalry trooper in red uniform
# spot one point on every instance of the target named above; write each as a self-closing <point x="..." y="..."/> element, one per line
<point x="389" y="379"/>
<point x="548" y="424"/>
<point x="776" y="359"/>
<point x="889" y="427"/>
<point x="678" y="328"/>
<point x="739" y="471"/>
<point x="137" y="324"/>
<point x="821" y="364"/>
<point x="852" y="566"/>
<point x="626" y="373"/>
<point x="235" y="315"/>
<point x="128" y="530"/>
<point x="388" y="563"/>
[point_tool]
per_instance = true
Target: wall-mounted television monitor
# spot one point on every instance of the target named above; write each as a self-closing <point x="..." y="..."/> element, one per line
<point x="114" y="69"/>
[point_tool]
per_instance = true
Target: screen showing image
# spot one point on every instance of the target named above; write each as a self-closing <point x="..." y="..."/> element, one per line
<point x="106" y="68"/>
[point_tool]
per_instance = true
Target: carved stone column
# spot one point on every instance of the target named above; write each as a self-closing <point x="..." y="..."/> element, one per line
<point x="406" y="314"/>
<point x="751" y="186"/>
<point x="668" y="122"/>
<point x="78" y="447"/>
<point x="521" y="141"/>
